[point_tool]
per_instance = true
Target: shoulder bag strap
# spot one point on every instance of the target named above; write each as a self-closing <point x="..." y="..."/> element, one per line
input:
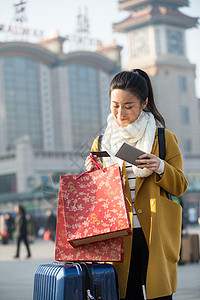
<point x="99" y="145"/>
<point x="161" y="142"/>
<point x="162" y="148"/>
<point x="99" y="142"/>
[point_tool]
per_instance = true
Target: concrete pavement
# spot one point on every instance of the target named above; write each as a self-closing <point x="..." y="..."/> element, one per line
<point x="17" y="276"/>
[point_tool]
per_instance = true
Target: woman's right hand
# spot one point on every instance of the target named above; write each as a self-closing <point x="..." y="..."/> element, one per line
<point x="90" y="165"/>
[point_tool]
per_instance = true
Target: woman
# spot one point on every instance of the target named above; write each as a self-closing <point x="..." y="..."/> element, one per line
<point x="21" y="230"/>
<point x="152" y="252"/>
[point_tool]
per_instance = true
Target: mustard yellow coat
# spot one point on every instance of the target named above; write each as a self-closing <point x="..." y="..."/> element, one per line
<point x="160" y="219"/>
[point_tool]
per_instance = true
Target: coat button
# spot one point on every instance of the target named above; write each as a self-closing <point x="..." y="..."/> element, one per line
<point x="140" y="211"/>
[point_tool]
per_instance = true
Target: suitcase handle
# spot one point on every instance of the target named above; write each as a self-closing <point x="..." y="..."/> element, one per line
<point x="89" y="280"/>
<point x="89" y="295"/>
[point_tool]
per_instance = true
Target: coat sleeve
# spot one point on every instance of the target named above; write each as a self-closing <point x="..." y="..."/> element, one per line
<point x="173" y="180"/>
<point x="95" y="145"/>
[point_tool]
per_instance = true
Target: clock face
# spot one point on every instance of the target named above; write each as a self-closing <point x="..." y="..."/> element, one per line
<point x="174" y="41"/>
<point x="140" y="39"/>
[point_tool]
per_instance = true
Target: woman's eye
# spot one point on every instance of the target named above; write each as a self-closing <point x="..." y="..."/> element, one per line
<point x="115" y="106"/>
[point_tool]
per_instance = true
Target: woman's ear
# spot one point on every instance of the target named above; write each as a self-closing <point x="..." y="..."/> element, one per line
<point x="144" y="104"/>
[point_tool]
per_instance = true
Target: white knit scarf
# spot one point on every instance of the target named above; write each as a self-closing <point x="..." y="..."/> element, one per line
<point x="140" y="133"/>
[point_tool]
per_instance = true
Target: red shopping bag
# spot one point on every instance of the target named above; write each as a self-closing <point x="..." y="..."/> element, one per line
<point x="109" y="250"/>
<point x="94" y="206"/>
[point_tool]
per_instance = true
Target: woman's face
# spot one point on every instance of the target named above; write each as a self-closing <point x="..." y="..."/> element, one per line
<point x="125" y="107"/>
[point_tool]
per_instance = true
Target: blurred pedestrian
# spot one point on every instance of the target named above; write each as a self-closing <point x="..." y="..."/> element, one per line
<point x="21" y="230"/>
<point x="9" y="222"/>
<point x="51" y="224"/>
<point x="30" y="228"/>
<point x="3" y="230"/>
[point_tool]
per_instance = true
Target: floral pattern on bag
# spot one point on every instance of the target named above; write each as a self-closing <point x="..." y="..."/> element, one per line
<point x="109" y="250"/>
<point x="95" y="206"/>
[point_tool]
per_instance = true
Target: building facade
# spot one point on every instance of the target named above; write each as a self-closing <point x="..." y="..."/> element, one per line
<point x="52" y="105"/>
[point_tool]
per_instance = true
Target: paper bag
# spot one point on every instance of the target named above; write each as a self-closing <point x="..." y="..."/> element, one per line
<point x="95" y="206"/>
<point x="109" y="250"/>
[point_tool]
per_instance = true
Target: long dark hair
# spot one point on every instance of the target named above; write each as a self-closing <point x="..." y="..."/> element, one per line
<point x="138" y="83"/>
<point x="21" y="209"/>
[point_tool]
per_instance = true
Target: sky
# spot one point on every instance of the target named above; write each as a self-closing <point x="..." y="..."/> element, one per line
<point x="61" y="15"/>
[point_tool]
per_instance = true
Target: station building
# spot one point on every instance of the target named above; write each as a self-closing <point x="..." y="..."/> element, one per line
<point x="52" y="106"/>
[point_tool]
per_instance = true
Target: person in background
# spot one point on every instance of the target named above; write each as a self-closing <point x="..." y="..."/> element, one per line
<point x="9" y="222"/>
<point x="21" y="230"/>
<point x="51" y="224"/>
<point x="30" y="228"/>
<point x="151" y="253"/>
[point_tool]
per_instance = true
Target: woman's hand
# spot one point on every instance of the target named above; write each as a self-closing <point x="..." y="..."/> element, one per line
<point x="149" y="161"/>
<point x="90" y="165"/>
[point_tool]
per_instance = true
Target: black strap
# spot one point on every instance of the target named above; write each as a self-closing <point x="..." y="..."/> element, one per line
<point x="87" y="281"/>
<point x="99" y="145"/>
<point x="162" y="148"/>
<point x="99" y="142"/>
<point x="161" y="142"/>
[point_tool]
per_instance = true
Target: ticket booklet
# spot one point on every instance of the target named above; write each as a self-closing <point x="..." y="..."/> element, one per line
<point x="129" y="154"/>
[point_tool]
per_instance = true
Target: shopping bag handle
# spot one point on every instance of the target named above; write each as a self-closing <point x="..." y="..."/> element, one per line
<point x="96" y="164"/>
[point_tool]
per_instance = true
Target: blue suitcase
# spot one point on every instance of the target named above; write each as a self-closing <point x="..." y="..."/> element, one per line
<point x="75" y="281"/>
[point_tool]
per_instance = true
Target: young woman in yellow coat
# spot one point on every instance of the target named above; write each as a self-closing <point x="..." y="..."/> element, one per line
<point x="152" y="252"/>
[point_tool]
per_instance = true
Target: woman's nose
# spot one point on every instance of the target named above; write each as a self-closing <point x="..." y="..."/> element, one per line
<point x="121" y="111"/>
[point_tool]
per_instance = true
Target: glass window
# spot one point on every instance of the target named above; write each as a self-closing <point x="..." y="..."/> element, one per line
<point x="174" y="41"/>
<point x="182" y="83"/>
<point x="185" y="115"/>
<point x="8" y="183"/>
<point x="187" y="144"/>
<point x="22" y="98"/>
<point x="85" y="102"/>
<point x="20" y="81"/>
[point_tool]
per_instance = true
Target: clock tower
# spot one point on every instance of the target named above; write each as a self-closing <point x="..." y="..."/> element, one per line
<point x="156" y="43"/>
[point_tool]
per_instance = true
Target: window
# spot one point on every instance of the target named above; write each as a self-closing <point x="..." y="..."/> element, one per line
<point x="174" y="41"/>
<point x="185" y="115"/>
<point x="187" y="144"/>
<point x="157" y="39"/>
<point x="22" y="99"/>
<point x="140" y="42"/>
<point x="182" y="83"/>
<point x="85" y="102"/>
<point x="8" y="183"/>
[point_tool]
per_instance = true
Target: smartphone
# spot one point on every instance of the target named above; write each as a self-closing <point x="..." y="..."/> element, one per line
<point x="100" y="153"/>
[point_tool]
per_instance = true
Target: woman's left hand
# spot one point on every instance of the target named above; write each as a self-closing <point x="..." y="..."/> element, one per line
<point x="149" y="161"/>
